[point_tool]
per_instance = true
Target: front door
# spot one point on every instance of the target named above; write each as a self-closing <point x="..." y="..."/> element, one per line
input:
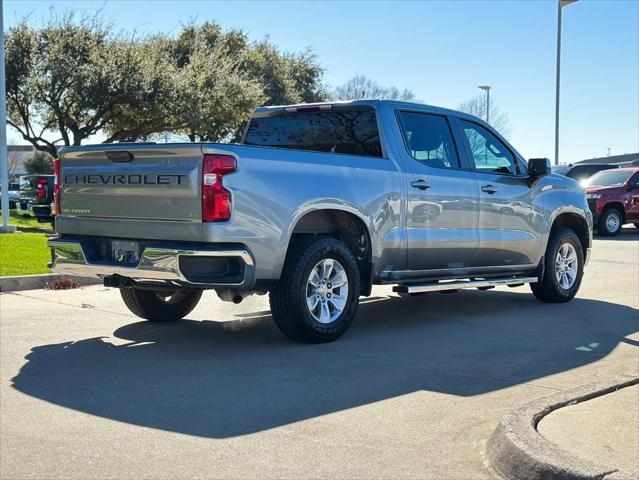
<point x="442" y="202"/>
<point x="510" y="219"/>
<point x="632" y="200"/>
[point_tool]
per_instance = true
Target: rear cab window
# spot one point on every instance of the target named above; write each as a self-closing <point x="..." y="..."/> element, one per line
<point x="428" y="139"/>
<point x="349" y="130"/>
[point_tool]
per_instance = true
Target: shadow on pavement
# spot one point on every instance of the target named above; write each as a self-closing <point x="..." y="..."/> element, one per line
<point x="223" y="379"/>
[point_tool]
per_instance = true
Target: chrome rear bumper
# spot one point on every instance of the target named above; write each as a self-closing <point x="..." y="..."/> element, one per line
<point x="156" y="263"/>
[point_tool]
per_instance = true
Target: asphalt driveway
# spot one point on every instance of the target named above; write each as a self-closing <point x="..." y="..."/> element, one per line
<point x="413" y="390"/>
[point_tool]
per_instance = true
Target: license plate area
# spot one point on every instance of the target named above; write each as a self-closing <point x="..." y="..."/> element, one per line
<point x="124" y="252"/>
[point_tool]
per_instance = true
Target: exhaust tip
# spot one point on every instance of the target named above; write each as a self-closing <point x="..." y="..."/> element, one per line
<point x="238" y="299"/>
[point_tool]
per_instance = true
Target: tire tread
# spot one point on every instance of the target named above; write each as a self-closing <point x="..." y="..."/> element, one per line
<point x="145" y="304"/>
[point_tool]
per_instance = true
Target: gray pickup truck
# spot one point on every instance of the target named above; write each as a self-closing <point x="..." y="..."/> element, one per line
<point x="316" y="204"/>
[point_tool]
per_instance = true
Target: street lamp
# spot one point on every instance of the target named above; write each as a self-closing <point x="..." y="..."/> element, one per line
<point x="560" y="5"/>
<point x="4" y="166"/>
<point x="486" y="89"/>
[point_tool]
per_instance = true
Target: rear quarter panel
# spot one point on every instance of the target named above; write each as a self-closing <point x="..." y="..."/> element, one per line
<point x="273" y="189"/>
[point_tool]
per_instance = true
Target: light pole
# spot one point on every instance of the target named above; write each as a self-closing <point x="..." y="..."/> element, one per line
<point x="560" y="5"/>
<point x="486" y="89"/>
<point x="4" y="164"/>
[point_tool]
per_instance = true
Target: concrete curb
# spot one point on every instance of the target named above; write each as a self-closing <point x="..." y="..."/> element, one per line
<point x="517" y="451"/>
<point x="33" y="282"/>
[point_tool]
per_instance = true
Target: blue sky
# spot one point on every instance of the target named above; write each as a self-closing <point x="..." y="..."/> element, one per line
<point x="442" y="50"/>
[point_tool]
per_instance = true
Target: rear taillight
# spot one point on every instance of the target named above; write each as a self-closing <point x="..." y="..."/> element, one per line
<point x="42" y="188"/>
<point x="56" y="186"/>
<point x="216" y="200"/>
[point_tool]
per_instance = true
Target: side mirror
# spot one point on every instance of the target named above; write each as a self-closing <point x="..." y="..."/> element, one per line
<point x="538" y="167"/>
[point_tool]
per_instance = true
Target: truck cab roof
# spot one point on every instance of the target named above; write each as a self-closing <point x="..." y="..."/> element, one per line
<point x="376" y="103"/>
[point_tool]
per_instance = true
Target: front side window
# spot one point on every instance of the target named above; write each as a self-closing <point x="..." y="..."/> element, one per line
<point x="428" y="139"/>
<point x="351" y="130"/>
<point x="488" y="152"/>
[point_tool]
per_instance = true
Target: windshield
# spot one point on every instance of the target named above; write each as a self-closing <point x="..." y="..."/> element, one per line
<point x="560" y="169"/>
<point x="609" y="178"/>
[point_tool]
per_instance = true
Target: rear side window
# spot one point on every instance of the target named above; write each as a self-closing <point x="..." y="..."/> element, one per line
<point x="428" y="139"/>
<point x="351" y="131"/>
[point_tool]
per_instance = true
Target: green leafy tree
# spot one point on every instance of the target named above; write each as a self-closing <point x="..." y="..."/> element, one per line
<point x="213" y="94"/>
<point x="39" y="163"/>
<point x="72" y="78"/>
<point x="286" y="78"/>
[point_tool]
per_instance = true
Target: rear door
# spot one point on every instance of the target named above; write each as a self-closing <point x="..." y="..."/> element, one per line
<point x="442" y="200"/>
<point x="510" y="224"/>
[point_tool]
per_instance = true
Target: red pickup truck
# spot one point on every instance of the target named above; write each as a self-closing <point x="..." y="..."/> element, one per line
<point x="613" y="198"/>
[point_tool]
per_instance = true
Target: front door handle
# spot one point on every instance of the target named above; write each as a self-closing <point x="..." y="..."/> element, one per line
<point x="420" y="184"/>
<point x="490" y="189"/>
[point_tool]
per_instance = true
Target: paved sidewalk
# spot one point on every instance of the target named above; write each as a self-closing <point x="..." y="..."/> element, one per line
<point x="604" y="430"/>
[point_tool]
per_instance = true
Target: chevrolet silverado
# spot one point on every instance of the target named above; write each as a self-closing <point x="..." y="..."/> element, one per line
<point x="316" y="204"/>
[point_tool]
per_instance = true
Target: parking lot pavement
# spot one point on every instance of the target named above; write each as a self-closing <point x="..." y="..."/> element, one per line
<point x="412" y="391"/>
<point x="604" y="429"/>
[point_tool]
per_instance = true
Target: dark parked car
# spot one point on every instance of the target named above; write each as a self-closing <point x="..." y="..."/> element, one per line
<point x="613" y="198"/>
<point x="581" y="172"/>
<point x="36" y="197"/>
<point x="13" y="194"/>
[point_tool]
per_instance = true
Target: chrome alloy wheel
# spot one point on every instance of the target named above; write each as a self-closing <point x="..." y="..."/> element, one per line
<point x="326" y="290"/>
<point x="613" y="222"/>
<point x="566" y="266"/>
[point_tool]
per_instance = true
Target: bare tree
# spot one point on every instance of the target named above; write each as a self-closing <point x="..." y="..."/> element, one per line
<point x="476" y="106"/>
<point x="14" y="163"/>
<point x="360" y="87"/>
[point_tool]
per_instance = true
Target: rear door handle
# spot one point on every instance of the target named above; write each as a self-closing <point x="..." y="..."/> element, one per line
<point x="490" y="189"/>
<point x="420" y="184"/>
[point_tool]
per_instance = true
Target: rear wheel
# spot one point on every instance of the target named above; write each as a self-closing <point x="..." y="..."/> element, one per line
<point x="161" y="305"/>
<point x="318" y="292"/>
<point x="564" y="266"/>
<point x="610" y="222"/>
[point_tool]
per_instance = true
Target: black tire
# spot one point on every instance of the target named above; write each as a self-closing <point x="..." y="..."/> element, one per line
<point x="160" y="306"/>
<point x="549" y="290"/>
<point x="603" y="225"/>
<point x="288" y="299"/>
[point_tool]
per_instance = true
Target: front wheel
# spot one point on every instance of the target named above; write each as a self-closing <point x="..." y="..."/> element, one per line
<point x="564" y="267"/>
<point x="318" y="292"/>
<point x="610" y="222"/>
<point x="160" y="305"/>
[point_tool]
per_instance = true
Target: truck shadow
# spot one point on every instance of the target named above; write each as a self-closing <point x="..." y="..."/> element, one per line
<point x="224" y="379"/>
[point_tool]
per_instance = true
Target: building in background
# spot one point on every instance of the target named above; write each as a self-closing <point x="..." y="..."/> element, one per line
<point x="625" y="160"/>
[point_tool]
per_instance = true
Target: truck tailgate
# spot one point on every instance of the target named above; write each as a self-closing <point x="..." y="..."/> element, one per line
<point x="131" y="190"/>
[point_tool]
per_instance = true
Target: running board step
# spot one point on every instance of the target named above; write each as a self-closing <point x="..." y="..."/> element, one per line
<point x="456" y="284"/>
